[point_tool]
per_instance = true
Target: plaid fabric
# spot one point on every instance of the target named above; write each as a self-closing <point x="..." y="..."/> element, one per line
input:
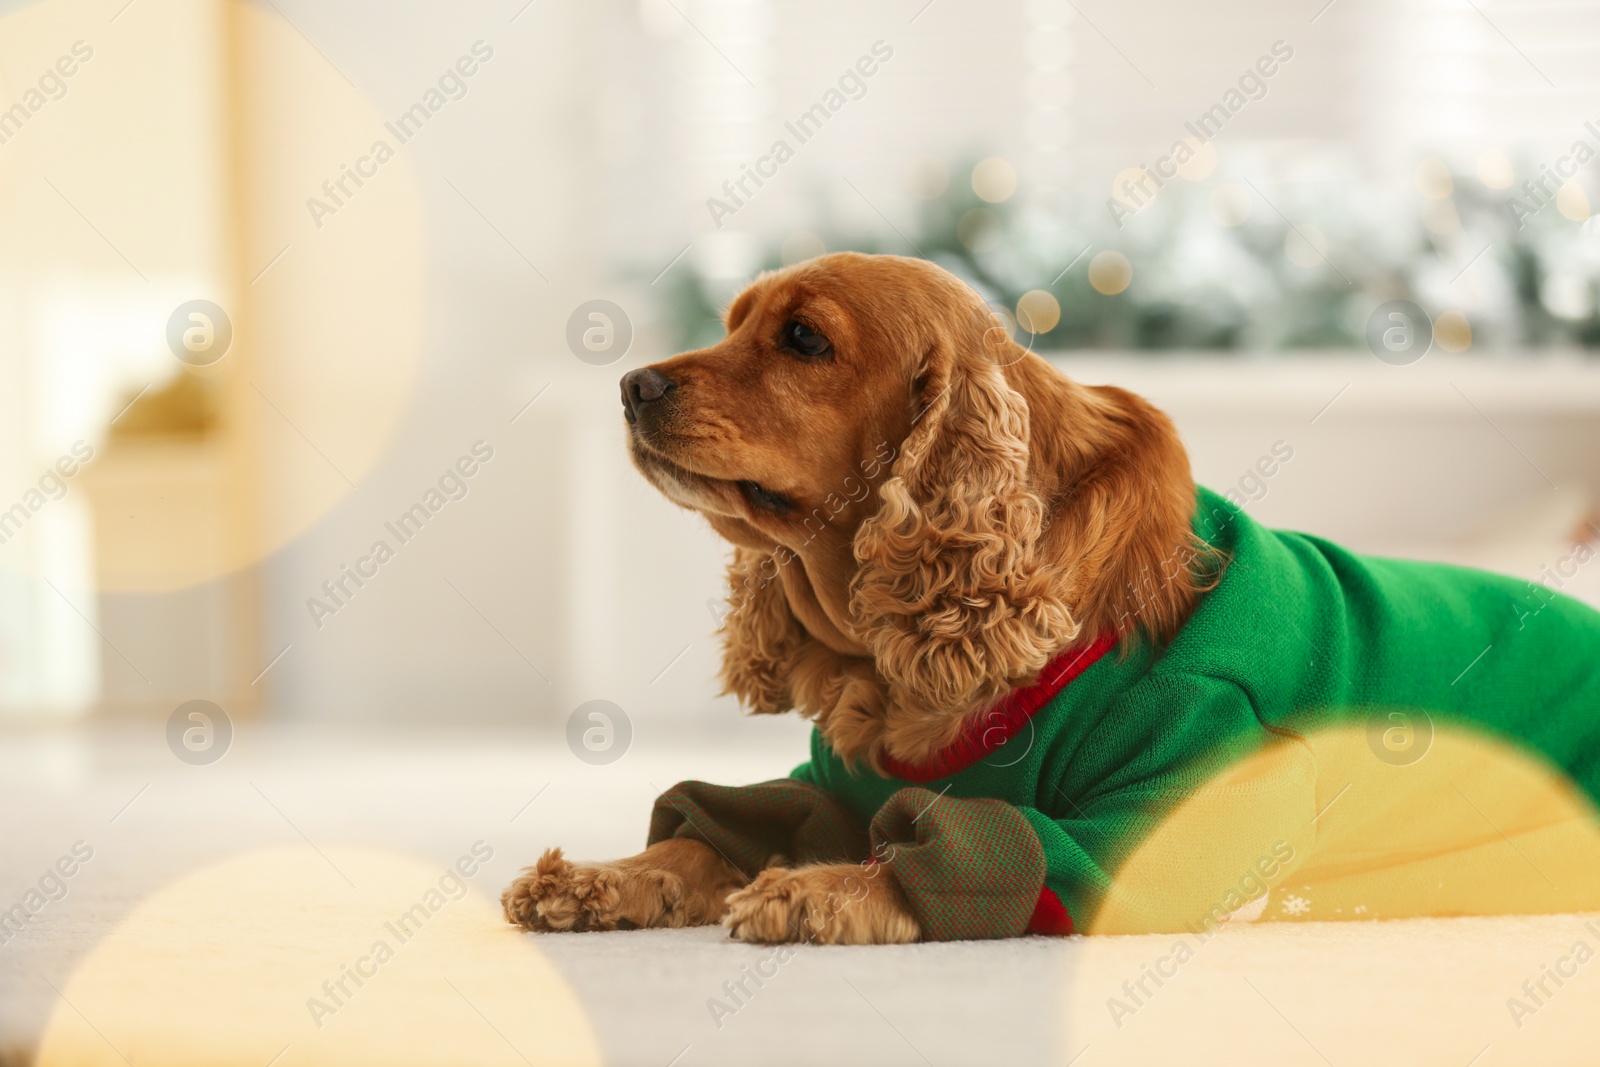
<point x="750" y="825"/>
<point x="1297" y="639"/>
<point x="971" y="868"/>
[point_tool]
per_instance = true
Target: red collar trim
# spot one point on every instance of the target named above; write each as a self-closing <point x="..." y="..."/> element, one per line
<point x="984" y="734"/>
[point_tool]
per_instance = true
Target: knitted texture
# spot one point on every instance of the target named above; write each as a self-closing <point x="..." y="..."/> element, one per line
<point x="752" y="825"/>
<point x="987" y="733"/>
<point x="1298" y="636"/>
<point x="970" y="868"/>
<point x="1298" y="640"/>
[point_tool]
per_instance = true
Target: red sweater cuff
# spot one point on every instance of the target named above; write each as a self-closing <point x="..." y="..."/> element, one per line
<point x="1050" y="915"/>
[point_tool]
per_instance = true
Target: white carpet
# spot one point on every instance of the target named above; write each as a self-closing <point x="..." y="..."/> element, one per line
<point x="218" y="900"/>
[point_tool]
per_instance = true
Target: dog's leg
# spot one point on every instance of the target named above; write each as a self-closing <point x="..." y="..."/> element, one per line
<point x="677" y="882"/>
<point x="830" y="904"/>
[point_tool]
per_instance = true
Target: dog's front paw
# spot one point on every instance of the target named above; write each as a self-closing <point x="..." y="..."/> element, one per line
<point x="671" y="884"/>
<point x="544" y="896"/>
<point x="830" y="904"/>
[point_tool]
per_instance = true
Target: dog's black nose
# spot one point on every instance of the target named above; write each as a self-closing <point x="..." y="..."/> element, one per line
<point x="641" y="387"/>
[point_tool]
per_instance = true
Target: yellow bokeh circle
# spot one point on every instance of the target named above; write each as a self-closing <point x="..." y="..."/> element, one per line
<point x="1110" y="272"/>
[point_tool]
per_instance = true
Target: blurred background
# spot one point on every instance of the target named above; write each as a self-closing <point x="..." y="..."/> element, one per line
<point x="399" y="209"/>
<point x="312" y="315"/>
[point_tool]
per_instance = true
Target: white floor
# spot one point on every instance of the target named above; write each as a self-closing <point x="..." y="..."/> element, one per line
<point x="1428" y="992"/>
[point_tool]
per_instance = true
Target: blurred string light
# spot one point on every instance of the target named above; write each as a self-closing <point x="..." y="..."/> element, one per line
<point x="1038" y="311"/>
<point x="1047" y="120"/>
<point x="1133" y="188"/>
<point x="1136" y="188"/>
<point x="1110" y="272"/>
<point x="1306" y="246"/>
<point x="1199" y="166"/>
<point x="994" y="180"/>
<point x="1007" y="321"/>
<point x="1452" y="332"/>
<point x="1433" y="179"/>
<point x="1572" y="201"/>
<point x="1495" y="170"/>
<point x="1221" y="273"/>
<point x="725" y="104"/>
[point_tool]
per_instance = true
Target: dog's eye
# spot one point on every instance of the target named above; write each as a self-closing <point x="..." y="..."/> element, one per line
<point x="804" y="341"/>
<point x="765" y="499"/>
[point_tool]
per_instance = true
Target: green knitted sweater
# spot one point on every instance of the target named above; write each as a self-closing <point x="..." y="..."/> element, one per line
<point x="1026" y="824"/>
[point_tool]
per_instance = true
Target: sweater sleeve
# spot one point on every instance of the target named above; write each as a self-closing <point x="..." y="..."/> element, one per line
<point x="1186" y="824"/>
<point x="1187" y="816"/>
<point x="1197" y="821"/>
<point x="970" y="867"/>
<point x="788" y="821"/>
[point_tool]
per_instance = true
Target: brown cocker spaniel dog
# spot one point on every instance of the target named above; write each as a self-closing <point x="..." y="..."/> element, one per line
<point x="923" y="514"/>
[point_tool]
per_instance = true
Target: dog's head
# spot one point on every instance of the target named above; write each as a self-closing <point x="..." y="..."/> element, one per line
<point x="856" y="434"/>
<point x="817" y="380"/>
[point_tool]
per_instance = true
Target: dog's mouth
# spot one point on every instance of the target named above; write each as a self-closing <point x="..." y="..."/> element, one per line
<point x="685" y="485"/>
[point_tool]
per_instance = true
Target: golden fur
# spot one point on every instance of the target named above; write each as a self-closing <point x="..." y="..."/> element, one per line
<point x="921" y="520"/>
<point x="677" y="882"/>
<point x="824" y="904"/>
<point x="1017" y="511"/>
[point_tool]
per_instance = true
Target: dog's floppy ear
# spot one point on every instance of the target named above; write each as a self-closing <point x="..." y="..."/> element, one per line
<point x="951" y="595"/>
<point x="760" y="635"/>
<point x="772" y="664"/>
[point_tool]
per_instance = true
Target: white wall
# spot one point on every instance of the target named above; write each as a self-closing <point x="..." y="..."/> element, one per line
<point x="591" y="144"/>
<point x="427" y="314"/>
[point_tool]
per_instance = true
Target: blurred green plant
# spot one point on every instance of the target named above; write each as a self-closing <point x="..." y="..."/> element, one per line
<point x="1217" y="265"/>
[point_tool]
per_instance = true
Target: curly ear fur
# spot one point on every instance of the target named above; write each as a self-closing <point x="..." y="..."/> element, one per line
<point x="954" y="597"/>
<point x="760" y="635"/>
<point x="1023" y="512"/>
<point x="773" y="665"/>
<point x="969" y="580"/>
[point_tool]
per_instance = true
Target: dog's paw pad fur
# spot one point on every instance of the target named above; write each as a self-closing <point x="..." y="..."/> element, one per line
<point x="765" y="910"/>
<point x="824" y="905"/>
<point x="556" y="895"/>
<point x="542" y="897"/>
